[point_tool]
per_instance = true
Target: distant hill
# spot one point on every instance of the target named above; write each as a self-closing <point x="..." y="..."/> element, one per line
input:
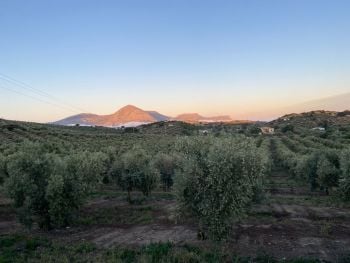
<point x="127" y="116"/>
<point x="133" y="116"/>
<point x="312" y="119"/>
<point x="195" y="118"/>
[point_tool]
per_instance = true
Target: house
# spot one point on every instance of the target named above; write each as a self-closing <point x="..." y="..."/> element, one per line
<point x="204" y="132"/>
<point x="318" y="129"/>
<point x="267" y="130"/>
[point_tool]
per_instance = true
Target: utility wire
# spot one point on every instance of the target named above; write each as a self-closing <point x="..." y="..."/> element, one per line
<point x="38" y="99"/>
<point x="38" y="91"/>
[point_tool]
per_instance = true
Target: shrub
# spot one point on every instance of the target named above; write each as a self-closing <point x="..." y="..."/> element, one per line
<point x="166" y="164"/>
<point x="344" y="181"/>
<point x="133" y="171"/>
<point x="48" y="188"/>
<point x="3" y="173"/>
<point x="327" y="173"/>
<point x="74" y="177"/>
<point x="306" y="169"/>
<point x="287" y="128"/>
<point x="217" y="187"/>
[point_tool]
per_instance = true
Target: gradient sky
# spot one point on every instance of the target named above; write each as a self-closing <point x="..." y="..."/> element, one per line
<point x="213" y="57"/>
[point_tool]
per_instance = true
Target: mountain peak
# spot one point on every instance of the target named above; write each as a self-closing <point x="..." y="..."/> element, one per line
<point x="132" y="114"/>
<point x="128" y="107"/>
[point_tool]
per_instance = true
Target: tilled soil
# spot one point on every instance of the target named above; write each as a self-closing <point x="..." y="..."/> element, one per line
<point x="142" y="235"/>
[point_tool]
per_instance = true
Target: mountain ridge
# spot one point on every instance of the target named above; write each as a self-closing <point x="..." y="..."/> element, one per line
<point x="131" y="115"/>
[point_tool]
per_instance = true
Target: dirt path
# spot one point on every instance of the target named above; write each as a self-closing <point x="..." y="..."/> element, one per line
<point x="142" y="235"/>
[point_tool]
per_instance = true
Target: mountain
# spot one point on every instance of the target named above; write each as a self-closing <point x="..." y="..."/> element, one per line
<point x="158" y="116"/>
<point x="82" y="119"/>
<point x="127" y="116"/>
<point x="133" y="116"/>
<point x="195" y="118"/>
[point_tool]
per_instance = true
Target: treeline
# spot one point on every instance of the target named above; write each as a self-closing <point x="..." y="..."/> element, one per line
<point x="324" y="169"/>
<point x="215" y="179"/>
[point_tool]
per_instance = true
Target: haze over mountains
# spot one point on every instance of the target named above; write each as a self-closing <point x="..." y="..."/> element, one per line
<point x="134" y="116"/>
<point x="338" y="103"/>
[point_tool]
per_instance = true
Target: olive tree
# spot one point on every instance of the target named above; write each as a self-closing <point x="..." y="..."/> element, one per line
<point x="29" y="171"/>
<point x="3" y="173"/>
<point x="70" y="183"/>
<point x="166" y="165"/>
<point x="217" y="188"/>
<point x="133" y="171"/>
<point x="327" y="173"/>
<point x="48" y="188"/>
<point x="344" y="181"/>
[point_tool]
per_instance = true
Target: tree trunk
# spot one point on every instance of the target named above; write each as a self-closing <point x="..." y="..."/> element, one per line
<point x="129" y="196"/>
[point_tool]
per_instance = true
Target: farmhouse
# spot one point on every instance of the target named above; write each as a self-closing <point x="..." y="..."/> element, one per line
<point x="204" y="132"/>
<point x="267" y="130"/>
<point x="318" y="129"/>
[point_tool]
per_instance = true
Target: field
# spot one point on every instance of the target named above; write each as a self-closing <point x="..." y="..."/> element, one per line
<point x="175" y="192"/>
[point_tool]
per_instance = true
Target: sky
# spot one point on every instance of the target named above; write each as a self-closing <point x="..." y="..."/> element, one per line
<point x="240" y="58"/>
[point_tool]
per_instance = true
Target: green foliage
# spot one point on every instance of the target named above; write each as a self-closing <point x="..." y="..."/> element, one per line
<point x="166" y="165"/>
<point x="217" y="185"/>
<point x="133" y="171"/>
<point x="69" y="185"/>
<point x="48" y="188"/>
<point x="327" y="173"/>
<point x="306" y="169"/>
<point x="344" y="181"/>
<point x="287" y="128"/>
<point x="254" y="130"/>
<point x="3" y="173"/>
<point x="318" y="166"/>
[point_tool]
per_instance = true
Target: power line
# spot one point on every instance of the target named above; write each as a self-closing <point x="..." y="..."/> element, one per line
<point x="35" y="98"/>
<point x="26" y="86"/>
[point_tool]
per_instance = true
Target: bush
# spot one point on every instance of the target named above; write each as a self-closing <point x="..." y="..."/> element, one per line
<point x="75" y="177"/>
<point x="327" y="173"/>
<point x="3" y="173"/>
<point x="319" y="168"/>
<point x="48" y="188"/>
<point x="133" y="171"/>
<point x="217" y="185"/>
<point x="287" y="128"/>
<point x="344" y="181"/>
<point x="166" y="164"/>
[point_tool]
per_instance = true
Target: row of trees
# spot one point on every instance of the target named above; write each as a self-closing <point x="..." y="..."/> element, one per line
<point x="49" y="186"/>
<point x="215" y="179"/>
<point x="136" y="169"/>
<point x="323" y="168"/>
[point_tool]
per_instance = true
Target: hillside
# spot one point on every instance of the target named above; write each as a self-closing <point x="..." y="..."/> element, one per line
<point x="196" y="118"/>
<point x="314" y="119"/>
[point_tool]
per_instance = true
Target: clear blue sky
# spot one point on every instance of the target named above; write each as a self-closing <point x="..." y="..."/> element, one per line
<point x="212" y="57"/>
